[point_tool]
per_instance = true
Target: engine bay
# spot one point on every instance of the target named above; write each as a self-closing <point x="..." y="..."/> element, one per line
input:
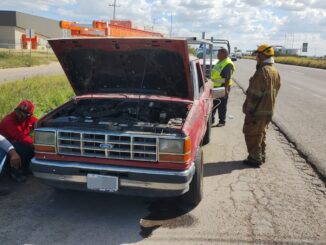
<point x="120" y="115"/>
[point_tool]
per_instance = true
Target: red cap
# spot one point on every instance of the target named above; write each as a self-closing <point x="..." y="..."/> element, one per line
<point x="26" y="106"/>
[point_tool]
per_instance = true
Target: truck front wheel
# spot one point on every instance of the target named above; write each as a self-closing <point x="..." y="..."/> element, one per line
<point x="195" y="193"/>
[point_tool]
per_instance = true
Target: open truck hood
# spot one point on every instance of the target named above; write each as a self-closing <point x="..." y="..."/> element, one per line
<point x="126" y="65"/>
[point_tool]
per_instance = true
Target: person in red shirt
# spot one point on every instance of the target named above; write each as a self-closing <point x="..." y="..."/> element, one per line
<point x="16" y="128"/>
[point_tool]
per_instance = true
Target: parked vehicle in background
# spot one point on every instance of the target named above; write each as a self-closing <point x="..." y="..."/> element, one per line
<point x="233" y="57"/>
<point x="217" y="44"/>
<point x="137" y="124"/>
<point x="200" y="55"/>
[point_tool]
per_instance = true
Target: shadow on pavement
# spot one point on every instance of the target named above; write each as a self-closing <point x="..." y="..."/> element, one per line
<point x="34" y="213"/>
<point x="218" y="168"/>
<point x="168" y="213"/>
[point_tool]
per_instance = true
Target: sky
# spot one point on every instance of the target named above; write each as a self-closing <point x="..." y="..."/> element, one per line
<point x="245" y="23"/>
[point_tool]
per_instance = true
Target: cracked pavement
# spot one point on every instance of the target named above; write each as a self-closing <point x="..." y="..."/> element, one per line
<point x="283" y="202"/>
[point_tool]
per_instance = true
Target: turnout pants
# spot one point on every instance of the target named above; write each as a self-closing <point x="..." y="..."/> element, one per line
<point x="255" y="136"/>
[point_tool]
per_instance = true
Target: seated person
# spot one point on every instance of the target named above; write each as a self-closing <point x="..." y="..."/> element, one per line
<point x="16" y="127"/>
<point x="15" y="161"/>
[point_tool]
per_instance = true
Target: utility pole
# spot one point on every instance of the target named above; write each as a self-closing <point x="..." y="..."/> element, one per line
<point x="114" y="5"/>
<point x="154" y="22"/>
<point x="171" y="25"/>
<point x="293" y="40"/>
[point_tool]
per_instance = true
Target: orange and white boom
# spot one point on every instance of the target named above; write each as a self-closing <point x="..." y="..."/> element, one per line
<point x="103" y="29"/>
<point x="98" y="29"/>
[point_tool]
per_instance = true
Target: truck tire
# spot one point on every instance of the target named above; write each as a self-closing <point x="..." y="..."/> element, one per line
<point x="207" y="136"/>
<point x="195" y="193"/>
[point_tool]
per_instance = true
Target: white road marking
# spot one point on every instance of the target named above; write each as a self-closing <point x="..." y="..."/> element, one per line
<point x="315" y="95"/>
<point x="295" y="87"/>
<point x="298" y="72"/>
<point x="319" y="97"/>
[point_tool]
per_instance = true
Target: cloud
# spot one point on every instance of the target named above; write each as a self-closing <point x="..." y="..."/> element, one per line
<point x="245" y="22"/>
<point x="33" y="6"/>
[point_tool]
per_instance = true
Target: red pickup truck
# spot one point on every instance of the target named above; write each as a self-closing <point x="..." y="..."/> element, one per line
<point x="136" y="126"/>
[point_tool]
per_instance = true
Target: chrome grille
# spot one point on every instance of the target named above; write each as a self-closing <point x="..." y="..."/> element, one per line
<point x="111" y="146"/>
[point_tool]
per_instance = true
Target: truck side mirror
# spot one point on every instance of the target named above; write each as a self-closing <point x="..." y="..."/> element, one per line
<point x="217" y="93"/>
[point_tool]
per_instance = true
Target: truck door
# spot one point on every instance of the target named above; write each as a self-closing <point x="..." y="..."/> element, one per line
<point x="204" y="91"/>
<point x="201" y="100"/>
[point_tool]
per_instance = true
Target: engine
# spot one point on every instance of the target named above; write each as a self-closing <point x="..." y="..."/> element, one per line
<point x="120" y="114"/>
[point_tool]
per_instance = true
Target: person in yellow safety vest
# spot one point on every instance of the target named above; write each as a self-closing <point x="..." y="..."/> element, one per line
<point x="221" y="75"/>
<point x="259" y="104"/>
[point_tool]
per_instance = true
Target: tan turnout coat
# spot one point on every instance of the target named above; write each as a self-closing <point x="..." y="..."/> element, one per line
<point x="261" y="93"/>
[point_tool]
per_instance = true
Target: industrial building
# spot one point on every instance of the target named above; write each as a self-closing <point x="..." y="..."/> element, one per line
<point x="279" y="50"/>
<point x="286" y="51"/>
<point x="13" y="26"/>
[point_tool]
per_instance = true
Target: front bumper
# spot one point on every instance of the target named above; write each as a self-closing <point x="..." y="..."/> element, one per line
<point x="132" y="181"/>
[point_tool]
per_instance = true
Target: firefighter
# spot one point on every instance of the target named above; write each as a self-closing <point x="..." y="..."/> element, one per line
<point x="222" y="77"/>
<point x="15" y="160"/>
<point x="259" y="104"/>
<point x="16" y="127"/>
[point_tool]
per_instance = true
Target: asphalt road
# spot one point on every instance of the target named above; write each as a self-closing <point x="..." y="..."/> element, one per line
<point x="301" y="107"/>
<point x="283" y="202"/>
<point x="13" y="74"/>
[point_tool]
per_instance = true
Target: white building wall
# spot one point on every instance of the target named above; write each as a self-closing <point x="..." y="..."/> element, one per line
<point x="292" y="51"/>
<point x="18" y="37"/>
<point x="7" y="37"/>
<point x="42" y="42"/>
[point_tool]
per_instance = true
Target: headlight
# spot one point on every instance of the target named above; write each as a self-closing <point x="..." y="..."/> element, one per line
<point x="44" y="138"/>
<point x="171" y="146"/>
<point x="175" y="150"/>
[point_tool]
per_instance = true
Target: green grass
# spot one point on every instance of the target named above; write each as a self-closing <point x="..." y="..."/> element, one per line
<point x="299" y="61"/>
<point x="46" y="92"/>
<point x="192" y="51"/>
<point x="23" y="59"/>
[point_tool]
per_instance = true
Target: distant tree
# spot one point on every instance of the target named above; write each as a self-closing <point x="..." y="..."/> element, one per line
<point x="192" y="50"/>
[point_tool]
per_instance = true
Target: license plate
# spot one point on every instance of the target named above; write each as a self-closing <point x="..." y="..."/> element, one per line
<point x="102" y="183"/>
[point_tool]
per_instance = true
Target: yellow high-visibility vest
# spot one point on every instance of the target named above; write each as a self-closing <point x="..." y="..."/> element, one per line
<point x="218" y="68"/>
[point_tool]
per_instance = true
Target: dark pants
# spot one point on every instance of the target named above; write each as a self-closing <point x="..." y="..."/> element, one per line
<point x="222" y="108"/>
<point x="26" y="153"/>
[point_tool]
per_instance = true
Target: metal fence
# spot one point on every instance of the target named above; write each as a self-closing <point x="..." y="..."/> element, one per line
<point x="17" y="46"/>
